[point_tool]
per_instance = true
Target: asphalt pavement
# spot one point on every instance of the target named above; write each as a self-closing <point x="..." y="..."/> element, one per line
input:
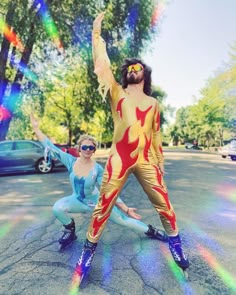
<point x="202" y="189"/>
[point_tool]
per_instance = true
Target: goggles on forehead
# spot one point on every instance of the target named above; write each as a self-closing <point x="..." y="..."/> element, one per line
<point x="135" y="67"/>
<point x="86" y="147"/>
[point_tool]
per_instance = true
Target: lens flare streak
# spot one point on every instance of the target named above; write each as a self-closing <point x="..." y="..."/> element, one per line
<point x="25" y="70"/>
<point x="6" y="228"/>
<point x="74" y="287"/>
<point x="186" y="288"/>
<point x="227" y="191"/>
<point x="107" y="268"/>
<point x="5" y="114"/>
<point x="10" y="35"/>
<point x="49" y="24"/>
<point x="226" y="277"/>
<point x="158" y="12"/>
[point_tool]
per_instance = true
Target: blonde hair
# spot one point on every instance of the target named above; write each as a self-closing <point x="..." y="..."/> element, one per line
<point x="86" y="137"/>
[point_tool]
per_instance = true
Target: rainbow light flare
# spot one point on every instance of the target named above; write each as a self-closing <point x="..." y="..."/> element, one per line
<point x="157" y="13"/>
<point x="6" y="228"/>
<point x="204" y="237"/>
<point x="133" y="16"/>
<point x="49" y="24"/>
<point x="226" y="277"/>
<point x="4" y="113"/>
<point x="10" y="35"/>
<point x="12" y="99"/>
<point x="74" y="287"/>
<point x="25" y="70"/>
<point x="106" y="262"/>
<point x="186" y="288"/>
<point x="228" y="191"/>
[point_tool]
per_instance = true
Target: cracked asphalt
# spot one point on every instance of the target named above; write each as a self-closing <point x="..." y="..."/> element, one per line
<point x="202" y="189"/>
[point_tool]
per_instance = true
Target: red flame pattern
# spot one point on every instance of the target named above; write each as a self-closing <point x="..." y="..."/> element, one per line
<point x="124" y="149"/>
<point x="141" y="115"/>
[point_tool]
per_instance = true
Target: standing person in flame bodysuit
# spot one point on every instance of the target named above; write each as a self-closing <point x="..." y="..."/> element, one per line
<point x="136" y="148"/>
<point x="85" y="176"/>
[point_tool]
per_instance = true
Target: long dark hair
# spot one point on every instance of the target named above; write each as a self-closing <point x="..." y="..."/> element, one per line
<point x="147" y="89"/>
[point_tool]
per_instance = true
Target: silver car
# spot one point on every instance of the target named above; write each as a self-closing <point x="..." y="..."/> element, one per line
<point x="232" y="150"/>
<point x="24" y="155"/>
<point x="224" y="150"/>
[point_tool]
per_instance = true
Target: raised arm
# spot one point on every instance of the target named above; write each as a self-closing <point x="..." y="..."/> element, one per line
<point x="65" y="158"/>
<point x="101" y="60"/>
<point x="35" y="125"/>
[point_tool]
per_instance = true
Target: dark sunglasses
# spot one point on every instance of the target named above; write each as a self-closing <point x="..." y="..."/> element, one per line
<point x="85" y="147"/>
<point x="135" y="68"/>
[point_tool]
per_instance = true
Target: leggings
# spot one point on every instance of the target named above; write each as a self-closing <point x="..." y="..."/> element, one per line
<point x="151" y="179"/>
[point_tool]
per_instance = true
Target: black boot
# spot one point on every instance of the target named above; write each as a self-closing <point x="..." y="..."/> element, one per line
<point x="156" y="233"/>
<point x="177" y="252"/>
<point x="69" y="234"/>
<point x="85" y="260"/>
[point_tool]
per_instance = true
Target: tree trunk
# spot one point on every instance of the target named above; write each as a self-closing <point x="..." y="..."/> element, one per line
<point x="3" y="61"/>
<point x="13" y="99"/>
<point x="5" y="47"/>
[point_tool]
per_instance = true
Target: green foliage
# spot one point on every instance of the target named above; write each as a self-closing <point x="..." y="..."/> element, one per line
<point x="65" y="92"/>
<point x="210" y="119"/>
<point x="160" y="95"/>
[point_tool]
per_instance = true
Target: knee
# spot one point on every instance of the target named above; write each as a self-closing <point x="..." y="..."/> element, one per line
<point x="120" y="219"/>
<point x="58" y="208"/>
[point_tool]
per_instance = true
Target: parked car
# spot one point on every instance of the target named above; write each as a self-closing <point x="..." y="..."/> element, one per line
<point x="232" y="150"/>
<point x="228" y="150"/>
<point x="191" y="146"/>
<point x="24" y="155"/>
<point x="72" y="150"/>
<point x="188" y="145"/>
<point x="224" y="150"/>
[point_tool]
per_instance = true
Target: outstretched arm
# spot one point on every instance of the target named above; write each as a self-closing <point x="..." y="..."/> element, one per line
<point x="131" y="212"/>
<point x="101" y="60"/>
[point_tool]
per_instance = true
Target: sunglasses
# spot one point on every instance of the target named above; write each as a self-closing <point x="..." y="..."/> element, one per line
<point x="135" y="68"/>
<point x="85" y="147"/>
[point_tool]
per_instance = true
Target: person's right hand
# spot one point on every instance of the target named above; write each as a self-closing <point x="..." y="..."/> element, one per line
<point x="132" y="213"/>
<point x="97" y="23"/>
<point x="34" y="121"/>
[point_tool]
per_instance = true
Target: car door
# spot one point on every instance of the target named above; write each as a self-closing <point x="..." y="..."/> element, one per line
<point x="6" y="159"/>
<point x="26" y="154"/>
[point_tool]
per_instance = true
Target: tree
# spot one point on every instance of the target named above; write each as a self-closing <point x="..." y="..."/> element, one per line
<point x="127" y="24"/>
<point x="214" y="113"/>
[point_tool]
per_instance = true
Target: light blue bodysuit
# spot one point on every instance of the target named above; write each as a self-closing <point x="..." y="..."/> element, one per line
<point x="86" y="193"/>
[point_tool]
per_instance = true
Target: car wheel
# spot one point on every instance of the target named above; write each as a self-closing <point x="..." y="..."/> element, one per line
<point x="233" y="158"/>
<point x="43" y="167"/>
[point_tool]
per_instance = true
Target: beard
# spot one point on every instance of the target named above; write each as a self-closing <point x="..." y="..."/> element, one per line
<point x="134" y="79"/>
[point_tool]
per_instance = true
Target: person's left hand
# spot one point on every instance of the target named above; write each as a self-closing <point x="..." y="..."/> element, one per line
<point x="97" y="23"/>
<point x="133" y="214"/>
<point x="34" y="121"/>
<point x="161" y="167"/>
